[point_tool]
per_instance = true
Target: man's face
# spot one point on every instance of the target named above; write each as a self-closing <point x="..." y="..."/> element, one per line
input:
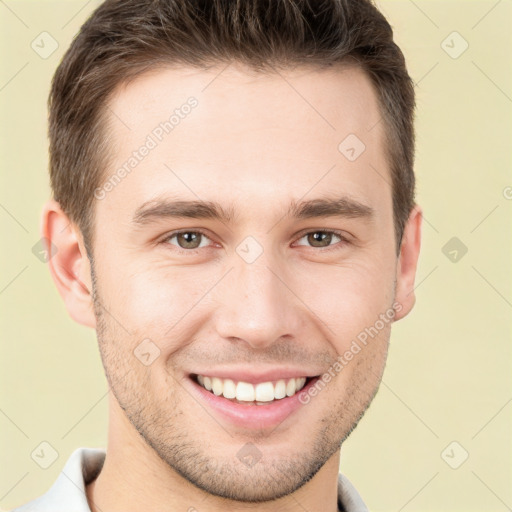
<point x="258" y="290"/>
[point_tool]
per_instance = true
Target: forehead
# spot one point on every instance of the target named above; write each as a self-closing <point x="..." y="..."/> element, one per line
<point x="231" y="130"/>
<point x="337" y="97"/>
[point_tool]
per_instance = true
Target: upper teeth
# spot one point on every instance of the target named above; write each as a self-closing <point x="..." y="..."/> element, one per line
<point x="246" y="392"/>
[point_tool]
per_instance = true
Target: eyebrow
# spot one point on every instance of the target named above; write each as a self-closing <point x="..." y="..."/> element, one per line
<point x="157" y="209"/>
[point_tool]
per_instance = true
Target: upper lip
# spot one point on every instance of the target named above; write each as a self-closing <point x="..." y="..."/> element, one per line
<point x="255" y="377"/>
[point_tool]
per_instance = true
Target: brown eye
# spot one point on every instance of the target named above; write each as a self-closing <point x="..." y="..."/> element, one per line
<point x="188" y="239"/>
<point x="321" y="239"/>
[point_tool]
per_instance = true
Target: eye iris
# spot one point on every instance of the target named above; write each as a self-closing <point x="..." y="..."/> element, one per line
<point x="317" y="239"/>
<point x="189" y="240"/>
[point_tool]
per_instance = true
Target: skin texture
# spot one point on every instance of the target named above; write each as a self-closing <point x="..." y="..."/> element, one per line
<point x="252" y="144"/>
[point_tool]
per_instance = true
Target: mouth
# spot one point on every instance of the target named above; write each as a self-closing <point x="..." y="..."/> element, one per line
<point x="246" y="393"/>
<point x="260" y="404"/>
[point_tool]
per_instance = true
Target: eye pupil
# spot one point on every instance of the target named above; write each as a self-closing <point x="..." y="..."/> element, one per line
<point x="320" y="239"/>
<point x="189" y="240"/>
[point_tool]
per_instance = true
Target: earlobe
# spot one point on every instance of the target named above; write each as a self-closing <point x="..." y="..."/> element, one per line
<point x="407" y="264"/>
<point x="68" y="263"/>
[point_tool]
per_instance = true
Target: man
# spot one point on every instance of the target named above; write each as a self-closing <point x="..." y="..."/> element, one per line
<point x="233" y="212"/>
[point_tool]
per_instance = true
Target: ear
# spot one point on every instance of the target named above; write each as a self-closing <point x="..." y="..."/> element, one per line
<point x="68" y="262"/>
<point x="407" y="263"/>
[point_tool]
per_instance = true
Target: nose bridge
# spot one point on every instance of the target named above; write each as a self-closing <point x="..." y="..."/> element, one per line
<point x="257" y="306"/>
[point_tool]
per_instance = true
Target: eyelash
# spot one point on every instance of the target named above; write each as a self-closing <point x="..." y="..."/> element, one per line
<point x="343" y="240"/>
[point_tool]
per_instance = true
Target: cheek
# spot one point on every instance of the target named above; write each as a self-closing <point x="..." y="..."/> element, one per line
<point x="162" y="304"/>
<point x="347" y="294"/>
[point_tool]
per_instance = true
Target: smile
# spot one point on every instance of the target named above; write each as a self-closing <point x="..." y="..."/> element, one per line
<point x="245" y="392"/>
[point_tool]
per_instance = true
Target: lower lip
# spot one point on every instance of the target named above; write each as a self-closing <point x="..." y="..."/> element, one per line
<point x="252" y="416"/>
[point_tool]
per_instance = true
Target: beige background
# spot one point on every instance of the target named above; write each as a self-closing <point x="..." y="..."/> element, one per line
<point x="448" y="376"/>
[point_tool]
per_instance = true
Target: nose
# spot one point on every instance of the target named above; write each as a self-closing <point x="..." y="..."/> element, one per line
<point x="258" y="306"/>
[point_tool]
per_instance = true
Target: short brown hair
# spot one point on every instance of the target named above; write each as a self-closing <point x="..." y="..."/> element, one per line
<point x="124" y="38"/>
